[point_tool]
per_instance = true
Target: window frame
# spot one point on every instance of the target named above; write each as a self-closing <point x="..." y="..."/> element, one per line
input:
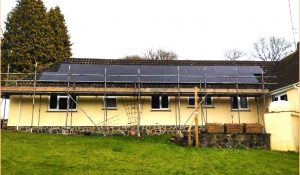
<point x="239" y="103"/>
<point x="109" y="108"/>
<point x="205" y="103"/>
<point x="160" y="103"/>
<point x="58" y="97"/>
<point x="278" y="96"/>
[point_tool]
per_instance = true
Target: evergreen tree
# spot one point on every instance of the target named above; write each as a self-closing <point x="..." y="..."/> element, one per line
<point x="28" y="37"/>
<point x="60" y="38"/>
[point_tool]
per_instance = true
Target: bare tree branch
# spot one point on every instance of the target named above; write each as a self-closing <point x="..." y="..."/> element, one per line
<point x="273" y="49"/>
<point x="234" y="54"/>
<point x="160" y="55"/>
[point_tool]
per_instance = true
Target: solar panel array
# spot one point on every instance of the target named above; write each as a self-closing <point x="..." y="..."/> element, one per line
<point x="153" y="74"/>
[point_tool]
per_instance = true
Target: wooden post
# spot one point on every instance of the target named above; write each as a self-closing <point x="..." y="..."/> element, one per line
<point x="189" y="138"/>
<point x="196" y="118"/>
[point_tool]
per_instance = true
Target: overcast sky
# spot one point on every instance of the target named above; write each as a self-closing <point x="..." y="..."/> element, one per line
<point x="191" y="28"/>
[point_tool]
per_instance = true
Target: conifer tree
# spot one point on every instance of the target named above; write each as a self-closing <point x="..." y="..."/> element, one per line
<point x="60" y="38"/>
<point x="28" y="38"/>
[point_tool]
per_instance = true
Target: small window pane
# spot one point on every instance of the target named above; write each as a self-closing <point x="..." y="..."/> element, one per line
<point x="164" y="102"/>
<point x="283" y="97"/>
<point x="191" y="101"/>
<point x="72" y="103"/>
<point x="62" y="102"/>
<point x="53" y="102"/>
<point x="244" y="102"/>
<point x="111" y="102"/>
<point x="155" y="102"/>
<point x="208" y="101"/>
<point x="275" y="99"/>
<point x="234" y="103"/>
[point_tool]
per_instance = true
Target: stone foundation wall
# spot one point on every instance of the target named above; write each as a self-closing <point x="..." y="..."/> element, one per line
<point x="214" y="140"/>
<point x="243" y="140"/>
<point x="101" y="130"/>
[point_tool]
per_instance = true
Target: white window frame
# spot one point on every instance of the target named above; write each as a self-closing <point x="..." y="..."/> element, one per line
<point x="239" y="105"/>
<point x="109" y="97"/>
<point x="57" y="103"/>
<point x="160" y="104"/>
<point x="205" y="104"/>
<point x="279" y="97"/>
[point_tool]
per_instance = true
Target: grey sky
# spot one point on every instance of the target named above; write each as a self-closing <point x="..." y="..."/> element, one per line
<point x="193" y="29"/>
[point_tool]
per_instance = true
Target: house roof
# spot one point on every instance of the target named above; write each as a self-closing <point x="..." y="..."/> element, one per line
<point x="286" y="71"/>
<point x="214" y="73"/>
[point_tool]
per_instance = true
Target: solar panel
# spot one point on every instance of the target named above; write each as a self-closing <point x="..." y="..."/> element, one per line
<point x="153" y="74"/>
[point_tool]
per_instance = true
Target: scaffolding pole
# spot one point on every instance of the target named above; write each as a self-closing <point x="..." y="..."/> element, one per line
<point x="264" y="101"/>
<point x="39" y="116"/>
<point x="19" y="112"/>
<point x="178" y="98"/>
<point x="68" y="99"/>
<point x="196" y="118"/>
<point x="205" y="94"/>
<point x="33" y="100"/>
<point x="237" y="92"/>
<point x="105" y="99"/>
<point x="82" y="110"/>
<point x="139" y="105"/>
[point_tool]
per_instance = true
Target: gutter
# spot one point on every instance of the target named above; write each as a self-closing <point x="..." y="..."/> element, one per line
<point x="285" y="88"/>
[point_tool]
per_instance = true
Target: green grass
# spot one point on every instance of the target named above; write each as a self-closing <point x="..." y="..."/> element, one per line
<point x="32" y="153"/>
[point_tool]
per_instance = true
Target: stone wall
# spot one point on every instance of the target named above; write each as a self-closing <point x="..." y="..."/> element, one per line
<point x="214" y="140"/>
<point x="243" y="140"/>
<point x="101" y="130"/>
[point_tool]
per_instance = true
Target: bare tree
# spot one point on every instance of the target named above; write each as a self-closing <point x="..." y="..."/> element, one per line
<point x="234" y="54"/>
<point x="272" y="49"/>
<point x="160" y="55"/>
<point x="133" y="57"/>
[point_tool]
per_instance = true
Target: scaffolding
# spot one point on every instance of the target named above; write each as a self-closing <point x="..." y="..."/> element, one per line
<point x="133" y="111"/>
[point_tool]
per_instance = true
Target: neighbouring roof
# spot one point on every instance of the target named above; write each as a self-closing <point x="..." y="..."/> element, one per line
<point x="287" y="71"/>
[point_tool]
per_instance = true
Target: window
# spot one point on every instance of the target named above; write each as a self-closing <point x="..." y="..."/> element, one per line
<point x="239" y="103"/>
<point x="280" y="97"/>
<point x="110" y="102"/>
<point x="191" y="101"/>
<point x="60" y="103"/>
<point x="160" y="102"/>
<point x="208" y="101"/>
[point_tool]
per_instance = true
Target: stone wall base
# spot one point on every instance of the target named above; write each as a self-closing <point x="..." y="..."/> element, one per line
<point x="242" y="140"/>
<point x="101" y="130"/>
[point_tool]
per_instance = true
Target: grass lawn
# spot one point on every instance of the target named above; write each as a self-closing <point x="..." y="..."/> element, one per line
<point x="32" y="153"/>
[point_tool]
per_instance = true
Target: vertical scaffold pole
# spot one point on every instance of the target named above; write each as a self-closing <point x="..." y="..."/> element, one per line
<point x="264" y="101"/>
<point x="39" y="116"/>
<point x="196" y="118"/>
<point x="19" y="112"/>
<point x="104" y="101"/>
<point x="68" y="99"/>
<point x="34" y="89"/>
<point x="237" y="92"/>
<point x="205" y="93"/>
<point x="178" y="96"/>
<point x="139" y="104"/>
